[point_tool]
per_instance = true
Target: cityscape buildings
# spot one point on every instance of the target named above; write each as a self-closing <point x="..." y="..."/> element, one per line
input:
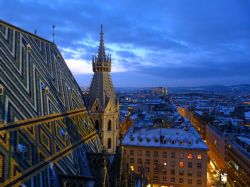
<point x="53" y="133"/>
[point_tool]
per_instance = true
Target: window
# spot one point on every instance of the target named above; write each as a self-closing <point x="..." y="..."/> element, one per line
<point x="190" y="174"/>
<point x="155" y="178"/>
<point x="190" y="165"/>
<point x="199" y="156"/>
<point x="131" y="161"/>
<point x="139" y="168"/>
<point x="147" y="153"/>
<point x="155" y="170"/>
<point x="97" y="126"/>
<point x="132" y="152"/>
<point x="189" y="181"/>
<point x="199" y="182"/>
<point x="164" y="179"/>
<point x="109" y="126"/>
<point x="172" y="163"/>
<point x="181" y="164"/>
<point x="198" y="174"/>
<point x="181" y="180"/>
<point x="164" y="155"/>
<point x="155" y="153"/>
<point x="109" y="143"/>
<point x="172" y="155"/>
<point x="164" y="172"/>
<point x="147" y="161"/>
<point x="172" y="171"/>
<point x="147" y="169"/>
<point x="172" y="179"/>
<point x="139" y="161"/>
<point x="181" y="173"/>
<point x="155" y="162"/>
<point x="190" y="156"/>
<point x="198" y="165"/>
<point x="181" y="155"/>
<point x="139" y="153"/>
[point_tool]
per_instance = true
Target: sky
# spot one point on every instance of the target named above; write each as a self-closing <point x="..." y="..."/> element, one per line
<point x="152" y="42"/>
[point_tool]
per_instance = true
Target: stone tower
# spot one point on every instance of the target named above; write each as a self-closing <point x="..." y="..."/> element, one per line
<point x="102" y="103"/>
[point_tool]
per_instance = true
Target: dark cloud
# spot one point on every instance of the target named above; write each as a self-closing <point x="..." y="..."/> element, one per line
<point x="189" y="40"/>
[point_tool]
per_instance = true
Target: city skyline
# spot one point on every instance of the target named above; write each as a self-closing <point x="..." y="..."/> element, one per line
<point x="164" y="43"/>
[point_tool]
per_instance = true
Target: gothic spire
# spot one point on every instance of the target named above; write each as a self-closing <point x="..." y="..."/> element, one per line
<point x="101" y="52"/>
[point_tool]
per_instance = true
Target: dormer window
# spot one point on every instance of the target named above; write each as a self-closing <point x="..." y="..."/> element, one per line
<point x="1" y="89"/>
<point x="46" y="90"/>
<point x="173" y="142"/>
<point x="156" y="140"/>
<point x="148" y="139"/>
<point x="28" y="47"/>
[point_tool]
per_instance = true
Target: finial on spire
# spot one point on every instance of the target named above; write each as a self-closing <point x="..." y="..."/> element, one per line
<point x="101" y="52"/>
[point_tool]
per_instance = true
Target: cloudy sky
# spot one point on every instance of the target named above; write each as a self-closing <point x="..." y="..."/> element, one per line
<point x="152" y="42"/>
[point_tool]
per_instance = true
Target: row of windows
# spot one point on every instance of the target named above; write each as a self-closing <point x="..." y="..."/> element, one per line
<point x="172" y="172"/>
<point x="164" y="154"/>
<point x="97" y="125"/>
<point x="181" y="180"/>
<point x="181" y="163"/>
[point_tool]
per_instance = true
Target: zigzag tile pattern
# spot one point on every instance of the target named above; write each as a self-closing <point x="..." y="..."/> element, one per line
<point x="35" y="81"/>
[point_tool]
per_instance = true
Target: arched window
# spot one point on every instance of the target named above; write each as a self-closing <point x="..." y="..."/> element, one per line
<point x="97" y="126"/>
<point x="109" y="126"/>
<point x="109" y="143"/>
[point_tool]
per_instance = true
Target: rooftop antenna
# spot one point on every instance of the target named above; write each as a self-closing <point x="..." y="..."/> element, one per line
<point x="53" y="32"/>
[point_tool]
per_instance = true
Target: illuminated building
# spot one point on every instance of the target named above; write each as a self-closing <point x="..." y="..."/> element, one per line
<point x="168" y="157"/>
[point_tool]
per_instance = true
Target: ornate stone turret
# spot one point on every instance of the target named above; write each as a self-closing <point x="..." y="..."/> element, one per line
<point x="101" y="62"/>
<point x="103" y="105"/>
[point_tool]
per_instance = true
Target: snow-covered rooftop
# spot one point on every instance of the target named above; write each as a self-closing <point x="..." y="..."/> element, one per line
<point x="165" y="138"/>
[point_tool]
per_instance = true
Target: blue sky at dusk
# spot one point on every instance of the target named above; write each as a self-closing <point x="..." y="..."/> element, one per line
<point x="152" y="42"/>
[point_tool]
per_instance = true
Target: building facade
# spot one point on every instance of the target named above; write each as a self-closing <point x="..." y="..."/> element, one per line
<point x="103" y="105"/>
<point x="238" y="162"/>
<point x="168" y="157"/>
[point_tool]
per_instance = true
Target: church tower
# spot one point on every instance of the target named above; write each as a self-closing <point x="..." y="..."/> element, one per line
<point x="103" y="105"/>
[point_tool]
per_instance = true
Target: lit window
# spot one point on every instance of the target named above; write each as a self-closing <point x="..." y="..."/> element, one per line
<point x="132" y="168"/>
<point x="190" y="156"/>
<point x="181" y="164"/>
<point x="199" y="156"/>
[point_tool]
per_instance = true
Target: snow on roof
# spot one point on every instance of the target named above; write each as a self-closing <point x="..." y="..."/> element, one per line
<point x="244" y="139"/>
<point x="247" y="115"/>
<point x="165" y="138"/>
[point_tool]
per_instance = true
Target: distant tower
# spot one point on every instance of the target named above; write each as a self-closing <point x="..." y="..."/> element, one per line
<point x="102" y="103"/>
